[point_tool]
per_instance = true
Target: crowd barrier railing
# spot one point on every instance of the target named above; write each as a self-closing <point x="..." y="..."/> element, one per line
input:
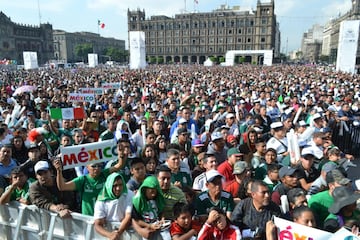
<point x="27" y="222"/>
<point x="346" y="136"/>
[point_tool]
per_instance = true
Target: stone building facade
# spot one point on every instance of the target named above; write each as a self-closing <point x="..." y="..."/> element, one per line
<point x="16" y="38"/>
<point x="65" y="43"/>
<point x="193" y="37"/>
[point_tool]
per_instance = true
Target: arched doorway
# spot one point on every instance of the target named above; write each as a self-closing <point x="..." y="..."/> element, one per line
<point x="202" y="59"/>
<point x="168" y="59"/>
<point x="193" y="59"/>
<point x="185" y="59"/>
<point x="176" y="59"/>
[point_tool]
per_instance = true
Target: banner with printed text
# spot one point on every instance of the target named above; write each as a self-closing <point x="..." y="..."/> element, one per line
<point x="111" y="85"/>
<point x="85" y="154"/>
<point x="96" y="91"/>
<point x="347" y="46"/>
<point x="291" y="230"/>
<point x="81" y="97"/>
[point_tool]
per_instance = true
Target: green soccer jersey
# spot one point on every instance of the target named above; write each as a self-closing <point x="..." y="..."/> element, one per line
<point x="21" y="193"/>
<point x="183" y="177"/>
<point x="203" y="203"/>
<point x="89" y="189"/>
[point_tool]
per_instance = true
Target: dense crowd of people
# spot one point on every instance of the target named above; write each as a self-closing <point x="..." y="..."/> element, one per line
<point x="202" y="152"/>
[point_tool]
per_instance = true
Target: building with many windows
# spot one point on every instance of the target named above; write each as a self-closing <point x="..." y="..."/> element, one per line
<point x="66" y="42"/>
<point x="332" y="32"/>
<point x="193" y="37"/>
<point x="16" y="38"/>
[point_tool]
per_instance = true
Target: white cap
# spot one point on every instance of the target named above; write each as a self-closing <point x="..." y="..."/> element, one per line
<point x="211" y="174"/>
<point x="216" y="136"/>
<point x="41" y="165"/>
<point x="302" y="123"/>
<point x="230" y="115"/>
<point x="275" y="125"/>
<point x="182" y="120"/>
<point x="307" y="151"/>
<point x="317" y="116"/>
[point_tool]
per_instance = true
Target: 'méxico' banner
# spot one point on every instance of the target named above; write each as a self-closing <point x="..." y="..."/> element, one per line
<point x="291" y="230"/>
<point x="96" y="91"/>
<point x="80" y="97"/>
<point x="91" y="153"/>
<point x="288" y="230"/>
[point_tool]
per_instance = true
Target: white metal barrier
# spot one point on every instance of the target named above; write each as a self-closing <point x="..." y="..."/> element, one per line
<point x="22" y="222"/>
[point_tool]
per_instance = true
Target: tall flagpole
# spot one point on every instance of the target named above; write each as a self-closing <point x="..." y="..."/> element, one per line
<point x="185" y="6"/>
<point x="39" y="12"/>
<point x="98" y="26"/>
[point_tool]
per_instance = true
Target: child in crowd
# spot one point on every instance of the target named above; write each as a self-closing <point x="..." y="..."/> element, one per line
<point x="218" y="226"/>
<point x="138" y="174"/>
<point x="18" y="190"/>
<point x="183" y="227"/>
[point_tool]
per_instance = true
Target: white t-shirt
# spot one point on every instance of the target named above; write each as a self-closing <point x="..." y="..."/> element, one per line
<point x="114" y="210"/>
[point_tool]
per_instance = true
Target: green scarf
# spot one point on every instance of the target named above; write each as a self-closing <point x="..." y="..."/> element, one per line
<point x="140" y="201"/>
<point x="106" y="192"/>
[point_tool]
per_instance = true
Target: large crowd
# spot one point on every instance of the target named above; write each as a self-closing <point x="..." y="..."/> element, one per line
<point x="202" y="152"/>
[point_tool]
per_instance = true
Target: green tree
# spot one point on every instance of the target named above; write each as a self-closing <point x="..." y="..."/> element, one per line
<point x="116" y="54"/>
<point x="221" y="59"/>
<point x="324" y="58"/>
<point x="82" y="51"/>
<point x="214" y="59"/>
<point x="152" y="60"/>
<point x="160" y="60"/>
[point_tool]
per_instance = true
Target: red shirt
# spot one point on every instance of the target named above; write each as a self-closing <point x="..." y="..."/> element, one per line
<point x="232" y="187"/>
<point x="226" y="170"/>
<point x="175" y="229"/>
<point x="208" y="232"/>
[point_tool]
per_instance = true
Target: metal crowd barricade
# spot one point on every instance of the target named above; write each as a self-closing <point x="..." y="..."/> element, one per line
<point x="27" y="222"/>
<point x="346" y="136"/>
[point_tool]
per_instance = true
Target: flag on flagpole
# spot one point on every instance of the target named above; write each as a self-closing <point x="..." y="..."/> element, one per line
<point x="101" y="24"/>
<point x="67" y="113"/>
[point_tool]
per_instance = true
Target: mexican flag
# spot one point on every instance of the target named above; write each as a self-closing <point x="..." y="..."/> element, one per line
<point x="67" y="113"/>
<point x="101" y="24"/>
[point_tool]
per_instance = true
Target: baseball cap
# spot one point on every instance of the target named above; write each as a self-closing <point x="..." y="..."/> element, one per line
<point x="212" y="174"/>
<point x="302" y="123"/>
<point x="276" y="125"/>
<point x="216" y="136"/>
<point x="230" y="138"/>
<point x="234" y="151"/>
<point x="33" y="146"/>
<point x="230" y="115"/>
<point x="240" y="167"/>
<point x="337" y="176"/>
<point x="41" y="165"/>
<point x="317" y="116"/>
<point x="30" y="113"/>
<point x="307" y="151"/>
<point x="196" y="143"/>
<point x="327" y="167"/>
<point x="182" y="130"/>
<point x="286" y="171"/>
<point x="182" y="121"/>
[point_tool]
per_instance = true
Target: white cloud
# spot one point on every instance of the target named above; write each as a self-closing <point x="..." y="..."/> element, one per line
<point x="336" y="7"/>
<point x="284" y="7"/>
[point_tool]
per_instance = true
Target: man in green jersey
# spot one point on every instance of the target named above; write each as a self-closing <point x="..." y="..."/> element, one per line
<point x="89" y="185"/>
